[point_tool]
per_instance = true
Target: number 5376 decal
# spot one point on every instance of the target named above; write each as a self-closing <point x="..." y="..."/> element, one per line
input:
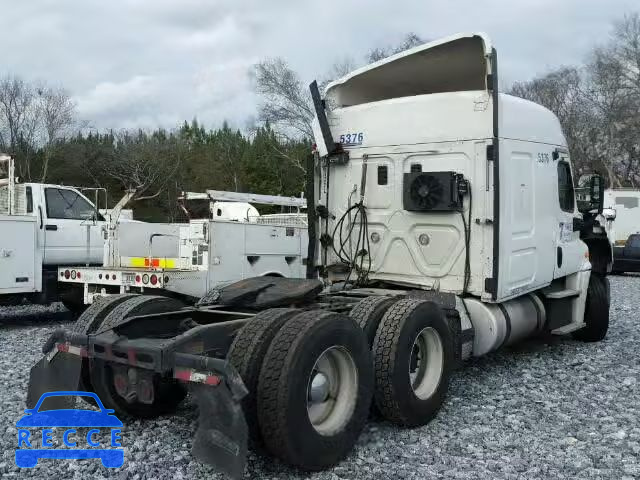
<point x="352" y="138"/>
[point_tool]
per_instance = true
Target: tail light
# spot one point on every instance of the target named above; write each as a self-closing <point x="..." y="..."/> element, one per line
<point x="62" y="274"/>
<point x="78" y="275"/>
<point x="100" y="276"/>
<point x="73" y="274"/>
<point x="137" y="278"/>
<point x="113" y="277"/>
<point x="67" y="274"/>
<point x="154" y="280"/>
<point x="145" y="279"/>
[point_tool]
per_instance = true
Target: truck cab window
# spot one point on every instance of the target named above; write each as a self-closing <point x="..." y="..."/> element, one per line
<point x="62" y="203"/>
<point x="565" y="187"/>
<point x="29" y="194"/>
<point x="383" y="175"/>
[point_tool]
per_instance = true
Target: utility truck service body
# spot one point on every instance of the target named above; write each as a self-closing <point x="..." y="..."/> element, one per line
<point x="186" y="260"/>
<point x="443" y="222"/>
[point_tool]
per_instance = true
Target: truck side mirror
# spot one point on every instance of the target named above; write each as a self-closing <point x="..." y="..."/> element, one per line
<point x="596" y="192"/>
<point x="590" y="194"/>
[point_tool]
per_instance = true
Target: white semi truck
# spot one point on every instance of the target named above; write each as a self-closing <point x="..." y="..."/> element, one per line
<point x="42" y="227"/>
<point x="444" y="224"/>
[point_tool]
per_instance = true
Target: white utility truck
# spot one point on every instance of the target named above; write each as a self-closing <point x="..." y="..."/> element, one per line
<point x="186" y="260"/>
<point x="444" y="223"/>
<point x="42" y="227"/>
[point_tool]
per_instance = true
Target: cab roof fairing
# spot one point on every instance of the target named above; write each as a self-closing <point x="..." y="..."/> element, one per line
<point x="460" y="62"/>
<point x="457" y="63"/>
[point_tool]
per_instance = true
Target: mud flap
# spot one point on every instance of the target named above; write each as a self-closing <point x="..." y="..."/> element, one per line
<point x="62" y="372"/>
<point x="222" y="435"/>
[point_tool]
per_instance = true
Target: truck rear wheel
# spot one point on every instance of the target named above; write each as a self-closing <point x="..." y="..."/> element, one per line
<point x="76" y="307"/>
<point x="315" y="389"/>
<point x="167" y="392"/>
<point x="87" y="323"/>
<point x="596" y="313"/>
<point x="413" y="360"/>
<point x="247" y="354"/>
<point x="368" y="312"/>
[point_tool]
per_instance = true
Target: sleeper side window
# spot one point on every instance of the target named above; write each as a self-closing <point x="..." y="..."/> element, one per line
<point x="565" y="187"/>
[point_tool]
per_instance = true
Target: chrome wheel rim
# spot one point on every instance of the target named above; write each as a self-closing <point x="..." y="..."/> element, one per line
<point x="426" y="363"/>
<point x="332" y="390"/>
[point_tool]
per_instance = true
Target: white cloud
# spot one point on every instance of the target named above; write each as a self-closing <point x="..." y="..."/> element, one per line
<point x="137" y="63"/>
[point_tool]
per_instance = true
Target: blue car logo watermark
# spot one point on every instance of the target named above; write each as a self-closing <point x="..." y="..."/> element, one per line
<point x="34" y="445"/>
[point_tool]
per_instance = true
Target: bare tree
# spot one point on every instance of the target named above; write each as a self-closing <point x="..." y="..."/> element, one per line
<point x="409" y="41"/>
<point x="339" y="69"/>
<point x="599" y="105"/>
<point x="19" y="119"/>
<point x="57" y="112"/>
<point x="625" y="51"/>
<point x="286" y="102"/>
<point x="562" y="92"/>
<point x="142" y="162"/>
<point x="608" y="97"/>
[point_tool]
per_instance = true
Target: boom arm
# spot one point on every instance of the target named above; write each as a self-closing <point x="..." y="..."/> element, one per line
<point x="111" y="252"/>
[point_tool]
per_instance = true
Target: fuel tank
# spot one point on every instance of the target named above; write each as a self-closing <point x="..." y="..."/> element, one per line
<point x="500" y="324"/>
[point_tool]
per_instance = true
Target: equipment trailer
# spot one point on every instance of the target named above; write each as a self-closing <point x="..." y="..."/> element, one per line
<point x="444" y="225"/>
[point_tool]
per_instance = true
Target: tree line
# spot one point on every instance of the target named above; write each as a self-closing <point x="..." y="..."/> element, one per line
<point x="597" y="102"/>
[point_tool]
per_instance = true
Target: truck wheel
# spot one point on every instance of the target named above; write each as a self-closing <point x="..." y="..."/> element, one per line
<point x="75" y="306"/>
<point x="72" y="297"/>
<point x="368" y="312"/>
<point x="168" y="393"/>
<point x="596" y="313"/>
<point x="93" y="316"/>
<point x="247" y="354"/>
<point x="87" y="323"/>
<point x="413" y="360"/>
<point x="315" y="389"/>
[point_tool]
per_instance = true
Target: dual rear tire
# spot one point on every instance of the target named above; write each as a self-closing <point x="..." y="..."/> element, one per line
<point x="311" y="398"/>
<point x="413" y="353"/>
<point x="312" y="376"/>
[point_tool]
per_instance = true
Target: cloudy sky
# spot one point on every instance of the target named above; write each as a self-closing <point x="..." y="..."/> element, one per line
<point x="144" y="63"/>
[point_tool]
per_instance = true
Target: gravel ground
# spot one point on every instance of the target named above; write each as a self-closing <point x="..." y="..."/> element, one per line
<point x="548" y="409"/>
